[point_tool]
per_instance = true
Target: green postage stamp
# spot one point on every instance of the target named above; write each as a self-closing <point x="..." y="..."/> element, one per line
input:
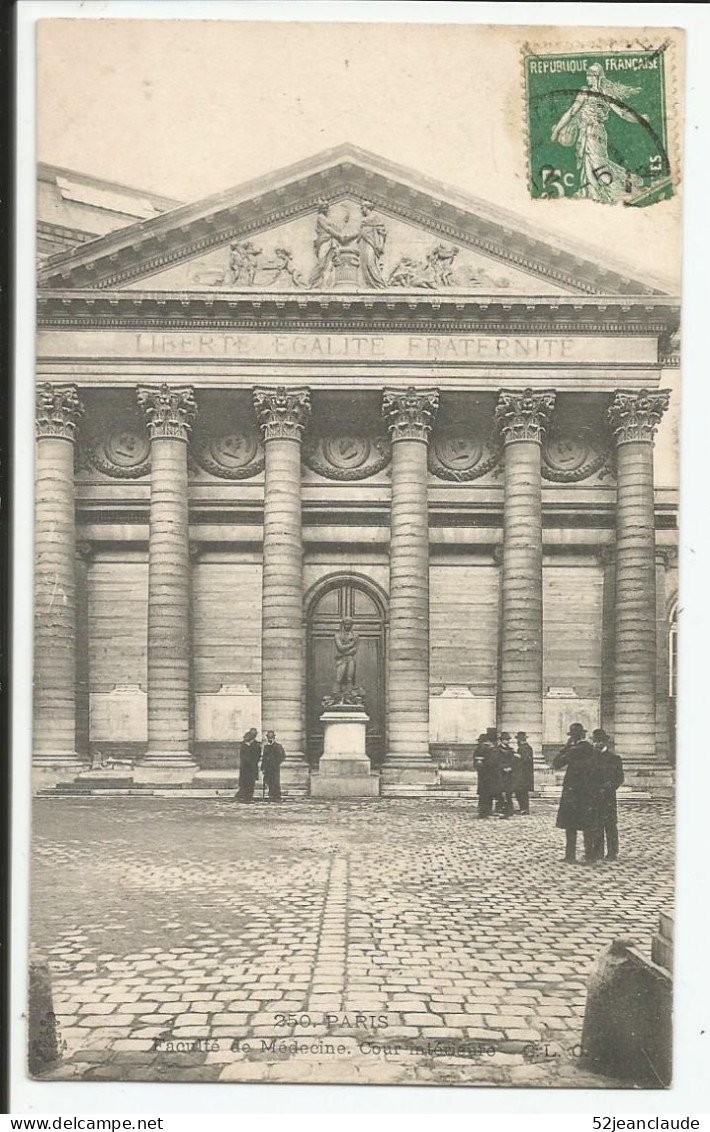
<point x="598" y="126"/>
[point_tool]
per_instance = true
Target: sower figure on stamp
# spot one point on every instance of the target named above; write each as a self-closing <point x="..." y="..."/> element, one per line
<point x="272" y="756"/>
<point x="346" y="643"/>
<point x="612" y="770"/>
<point x="525" y="773"/>
<point x="249" y="755"/>
<point x="580" y="803"/>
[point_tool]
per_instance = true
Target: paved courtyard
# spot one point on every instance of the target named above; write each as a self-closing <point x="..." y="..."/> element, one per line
<point x="397" y="941"/>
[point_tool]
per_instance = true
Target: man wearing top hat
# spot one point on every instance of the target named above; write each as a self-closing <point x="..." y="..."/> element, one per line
<point x="272" y="756"/>
<point x="525" y="778"/>
<point x="580" y="803"/>
<point x="487" y="763"/>
<point x="612" y="778"/>
<point x="508" y="768"/>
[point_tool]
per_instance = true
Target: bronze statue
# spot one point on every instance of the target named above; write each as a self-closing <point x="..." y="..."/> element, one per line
<point x="346" y="642"/>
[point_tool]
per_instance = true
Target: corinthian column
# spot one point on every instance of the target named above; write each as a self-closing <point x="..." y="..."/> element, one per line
<point x="522" y="418"/>
<point x="633" y="418"/>
<point x="169" y="413"/>
<point x="409" y="416"/>
<point x="58" y="410"/>
<point x="283" y="415"/>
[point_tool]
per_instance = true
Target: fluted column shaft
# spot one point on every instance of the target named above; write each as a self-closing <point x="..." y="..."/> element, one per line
<point x="522" y="418"/>
<point x="634" y="418"/>
<point x="409" y="417"/>
<point x="283" y="415"/>
<point x="169" y="412"/>
<point x="54" y="732"/>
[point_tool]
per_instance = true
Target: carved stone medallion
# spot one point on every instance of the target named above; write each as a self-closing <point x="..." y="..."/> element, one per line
<point x="121" y="450"/>
<point x="230" y="453"/>
<point x="346" y="451"/>
<point x="460" y="458"/>
<point x="458" y="453"/>
<point x="566" y="452"/>
<point x="568" y="457"/>
<point x="347" y="457"/>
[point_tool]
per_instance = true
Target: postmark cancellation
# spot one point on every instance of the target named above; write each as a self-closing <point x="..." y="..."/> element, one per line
<point x="600" y="124"/>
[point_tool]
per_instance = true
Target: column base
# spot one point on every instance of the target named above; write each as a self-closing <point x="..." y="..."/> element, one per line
<point x="159" y="767"/>
<point x="294" y="776"/>
<point x="400" y="771"/>
<point x="48" y="771"/>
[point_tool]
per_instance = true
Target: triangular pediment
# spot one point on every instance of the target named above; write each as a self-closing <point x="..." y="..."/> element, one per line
<point x="344" y="220"/>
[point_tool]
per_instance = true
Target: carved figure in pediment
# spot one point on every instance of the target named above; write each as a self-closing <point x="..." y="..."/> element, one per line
<point x="331" y="240"/>
<point x="243" y="262"/>
<point x="440" y="264"/>
<point x="434" y="272"/>
<point x="282" y="267"/>
<point x="406" y="273"/>
<point x="373" y="237"/>
<point x="479" y="277"/>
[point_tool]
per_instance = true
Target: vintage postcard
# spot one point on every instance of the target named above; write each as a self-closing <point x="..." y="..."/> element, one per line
<point x="356" y="588"/>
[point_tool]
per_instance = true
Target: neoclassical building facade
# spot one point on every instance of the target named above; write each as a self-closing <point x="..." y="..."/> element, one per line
<point x="344" y="390"/>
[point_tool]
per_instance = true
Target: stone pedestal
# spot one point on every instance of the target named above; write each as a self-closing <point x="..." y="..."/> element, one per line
<point x="344" y="770"/>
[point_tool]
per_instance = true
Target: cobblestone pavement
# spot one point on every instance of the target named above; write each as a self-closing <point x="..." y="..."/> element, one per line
<point x="391" y="941"/>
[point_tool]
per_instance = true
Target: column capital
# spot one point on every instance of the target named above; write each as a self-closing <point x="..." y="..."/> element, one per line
<point x="522" y="414"/>
<point x="58" y="410"/>
<point x="635" y="416"/>
<point x="409" y="414"/>
<point x="169" y="410"/>
<point x="282" y="413"/>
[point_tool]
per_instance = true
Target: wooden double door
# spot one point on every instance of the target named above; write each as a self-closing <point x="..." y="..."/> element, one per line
<point x="346" y="597"/>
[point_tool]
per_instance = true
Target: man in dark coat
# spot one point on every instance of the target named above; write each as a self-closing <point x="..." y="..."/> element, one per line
<point x="612" y="778"/>
<point x="271" y="758"/>
<point x="580" y="803"/>
<point x="249" y="755"/>
<point x="525" y="782"/>
<point x="487" y="762"/>
<point x="508" y="771"/>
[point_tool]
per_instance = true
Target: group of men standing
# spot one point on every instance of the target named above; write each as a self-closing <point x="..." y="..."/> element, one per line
<point x="588" y="801"/>
<point x="503" y="774"/>
<point x="251" y="755"/>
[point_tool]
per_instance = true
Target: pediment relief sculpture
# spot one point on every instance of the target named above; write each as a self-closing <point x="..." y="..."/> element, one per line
<point x="347" y="246"/>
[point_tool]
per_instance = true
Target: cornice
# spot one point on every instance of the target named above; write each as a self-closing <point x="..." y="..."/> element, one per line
<point x="150" y="246"/>
<point x="368" y="312"/>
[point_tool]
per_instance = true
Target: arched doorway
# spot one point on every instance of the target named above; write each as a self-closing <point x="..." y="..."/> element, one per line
<point x="346" y="595"/>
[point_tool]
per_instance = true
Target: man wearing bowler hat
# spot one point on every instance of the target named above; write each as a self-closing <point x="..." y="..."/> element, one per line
<point x="612" y="778"/>
<point x="509" y="769"/>
<point x="525" y="779"/>
<point x="580" y="803"/>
